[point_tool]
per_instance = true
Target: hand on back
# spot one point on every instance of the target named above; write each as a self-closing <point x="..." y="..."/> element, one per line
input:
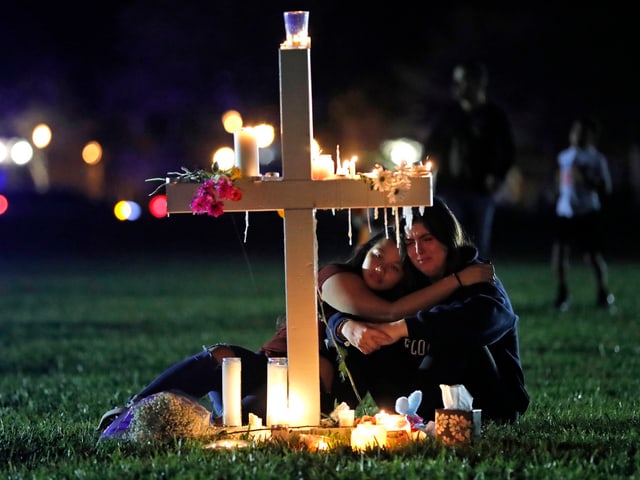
<point x="477" y="273"/>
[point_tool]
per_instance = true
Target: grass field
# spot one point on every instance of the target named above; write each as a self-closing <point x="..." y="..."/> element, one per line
<point x="80" y="335"/>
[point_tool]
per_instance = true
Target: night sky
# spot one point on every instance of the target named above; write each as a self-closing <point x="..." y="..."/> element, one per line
<point x="151" y="79"/>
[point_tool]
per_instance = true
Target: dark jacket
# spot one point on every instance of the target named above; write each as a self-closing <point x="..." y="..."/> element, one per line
<point x="475" y="316"/>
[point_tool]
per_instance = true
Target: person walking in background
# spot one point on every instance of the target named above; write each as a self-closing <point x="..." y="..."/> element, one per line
<point x="583" y="181"/>
<point x="472" y="146"/>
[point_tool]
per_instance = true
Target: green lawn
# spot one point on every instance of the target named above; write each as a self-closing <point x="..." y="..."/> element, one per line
<point x="79" y="336"/>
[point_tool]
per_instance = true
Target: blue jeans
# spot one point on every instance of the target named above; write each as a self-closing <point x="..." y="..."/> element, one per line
<point x="201" y="374"/>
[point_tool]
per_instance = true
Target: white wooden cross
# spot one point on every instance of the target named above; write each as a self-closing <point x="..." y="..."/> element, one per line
<point x="299" y="196"/>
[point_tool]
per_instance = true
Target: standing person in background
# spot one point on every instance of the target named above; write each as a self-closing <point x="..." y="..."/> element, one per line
<point x="583" y="181"/>
<point x="472" y="146"/>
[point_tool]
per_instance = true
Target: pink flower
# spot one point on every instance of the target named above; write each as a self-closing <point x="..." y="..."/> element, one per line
<point x="224" y="187"/>
<point x="235" y="195"/>
<point x="208" y="187"/>
<point x="200" y="204"/>
<point x="215" y="208"/>
<point x="208" y="199"/>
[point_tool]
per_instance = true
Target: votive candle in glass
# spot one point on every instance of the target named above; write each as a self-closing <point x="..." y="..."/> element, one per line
<point x="277" y="391"/>
<point x="231" y="392"/>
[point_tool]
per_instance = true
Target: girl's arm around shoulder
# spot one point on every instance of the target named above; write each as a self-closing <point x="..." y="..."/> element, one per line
<point x="347" y="292"/>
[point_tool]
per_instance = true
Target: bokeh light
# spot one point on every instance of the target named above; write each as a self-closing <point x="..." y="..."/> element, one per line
<point x="92" y="153"/>
<point x="21" y="152"/>
<point x="265" y="134"/>
<point x="4" y="204"/>
<point x="127" y="210"/>
<point x="4" y="151"/>
<point x="402" y="150"/>
<point x="158" y="206"/>
<point x="41" y="136"/>
<point x="232" y="121"/>
<point x="224" y="157"/>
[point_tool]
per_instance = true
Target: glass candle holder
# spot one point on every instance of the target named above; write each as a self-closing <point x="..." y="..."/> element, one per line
<point x="277" y="391"/>
<point x="231" y="392"/>
<point x="296" y="26"/>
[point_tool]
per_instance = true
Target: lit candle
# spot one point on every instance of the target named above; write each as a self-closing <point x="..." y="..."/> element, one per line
<point x="277" y="391"/>
<point x="352" y="166"/>
<point x="398" y="428"/>
<point x="367" y="435"/>
<point x="340" y="170"/>
<point x="315" y="443"/>
<point x="228" y="443"/>
<point x="296" y="24"/>
<point x="231" y="392"/>
<point x="245" y="146"/>
<point x="346" y="417"/>
<point x="322" y="167"/>
<point x="254" y="421"/>
<point x="420" y="170"/>
<point x="380" y="417"/>
<point x="393" y="422"/>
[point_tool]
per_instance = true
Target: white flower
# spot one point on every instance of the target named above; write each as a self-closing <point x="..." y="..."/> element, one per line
<point x="388" y="182"/>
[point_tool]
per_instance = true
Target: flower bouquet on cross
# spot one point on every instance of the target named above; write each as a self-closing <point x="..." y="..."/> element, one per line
<point x="215" y="186"/>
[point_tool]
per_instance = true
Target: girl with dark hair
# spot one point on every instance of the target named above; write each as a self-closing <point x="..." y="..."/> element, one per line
<point x="469" y="338"/>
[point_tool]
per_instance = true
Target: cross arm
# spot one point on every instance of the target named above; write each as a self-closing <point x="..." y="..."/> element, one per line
<point x="304" y="194"/>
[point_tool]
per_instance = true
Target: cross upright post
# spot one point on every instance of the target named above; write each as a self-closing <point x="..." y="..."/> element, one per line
<point x="301" y="263"/>
<point x="300" y="196"/>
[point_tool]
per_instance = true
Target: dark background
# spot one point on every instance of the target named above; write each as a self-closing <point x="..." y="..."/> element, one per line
<point x="150" y="81"/>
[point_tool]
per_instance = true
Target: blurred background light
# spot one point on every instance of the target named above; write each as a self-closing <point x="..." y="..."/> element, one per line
<point x="231" y="121"/>
<point x="127" y="210"/>
<point x="265" y="134"/>
<point x="21" y="152"/>
<point x="4" y="151"/>
<point x="92" y="153"/>
<point x="224" y="157"/>
<point x="41" y="136"/>
<point x="158" y="206"/>
<point x="4" y="204"/>
<point x="402" y="150"/>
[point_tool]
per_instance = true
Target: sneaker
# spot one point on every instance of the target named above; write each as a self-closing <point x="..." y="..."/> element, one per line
<point x="108" y="418"/>
<point x="562" y="300"/>
<point x="605" y="299"/>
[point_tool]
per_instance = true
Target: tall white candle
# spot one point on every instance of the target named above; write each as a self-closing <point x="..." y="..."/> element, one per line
<point x="245" y="147"/>
<point x="231" y="392"/>
<point x="277" y="391"/>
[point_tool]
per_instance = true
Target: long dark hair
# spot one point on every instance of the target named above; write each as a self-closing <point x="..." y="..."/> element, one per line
<point x="445" y="227"/>
<point x="356" y="260"/>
